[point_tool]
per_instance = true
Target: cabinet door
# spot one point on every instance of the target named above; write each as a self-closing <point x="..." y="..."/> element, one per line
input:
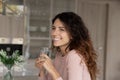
<point x="17" y="26"/>
<point x="95" y="16"/>
<point x="5" y="26"/>
<point x="39" y="25"/>
<point x="59" y="6"/>
<point x="11" y="27"/>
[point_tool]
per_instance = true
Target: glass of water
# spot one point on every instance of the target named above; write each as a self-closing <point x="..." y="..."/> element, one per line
<point x="45" y="50"/>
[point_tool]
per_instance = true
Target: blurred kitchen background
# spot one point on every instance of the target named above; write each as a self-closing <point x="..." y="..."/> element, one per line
<point x="25" y="25"/>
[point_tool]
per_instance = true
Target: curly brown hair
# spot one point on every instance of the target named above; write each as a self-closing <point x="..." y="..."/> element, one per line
<point x="81" y="40"/>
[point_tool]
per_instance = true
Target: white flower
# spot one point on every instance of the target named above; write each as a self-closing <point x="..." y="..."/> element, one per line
<point x="14" y="59"/>
<point x="3" y="53"/>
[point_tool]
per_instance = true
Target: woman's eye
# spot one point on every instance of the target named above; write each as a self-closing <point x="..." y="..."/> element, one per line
<point x="62" y="29"/>
<point x="53" y="28"/>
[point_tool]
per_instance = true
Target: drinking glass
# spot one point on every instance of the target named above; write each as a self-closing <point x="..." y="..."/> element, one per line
<point x="45" y="50"/>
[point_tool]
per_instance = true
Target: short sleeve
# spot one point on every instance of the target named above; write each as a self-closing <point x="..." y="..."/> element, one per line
<point x="75" y="67"/>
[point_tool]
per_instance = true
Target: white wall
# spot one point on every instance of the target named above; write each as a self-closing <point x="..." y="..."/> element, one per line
<point x="113" y="43"/>
<point x="103" y="20"/>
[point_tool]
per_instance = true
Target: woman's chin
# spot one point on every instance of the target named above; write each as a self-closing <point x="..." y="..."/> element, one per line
<point x="56" y="45"/>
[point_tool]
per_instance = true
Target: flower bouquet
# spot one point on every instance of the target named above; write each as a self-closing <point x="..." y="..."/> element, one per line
<point x="9" y="61"/>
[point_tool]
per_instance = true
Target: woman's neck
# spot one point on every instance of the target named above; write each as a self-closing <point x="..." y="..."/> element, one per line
<point x="64" y="51"/>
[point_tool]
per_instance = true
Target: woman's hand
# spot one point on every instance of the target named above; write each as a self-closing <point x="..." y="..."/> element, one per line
<point x="46" y="62"/>
<point x="39" y="63"/>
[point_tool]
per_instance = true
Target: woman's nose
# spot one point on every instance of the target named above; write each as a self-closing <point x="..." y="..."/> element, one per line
<point x="55" y="32"/>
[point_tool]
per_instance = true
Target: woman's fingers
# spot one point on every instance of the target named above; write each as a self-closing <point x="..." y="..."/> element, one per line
<point x="45" y="57"/>
<point x="39" y="62"/>
<point x="45" y="62"/>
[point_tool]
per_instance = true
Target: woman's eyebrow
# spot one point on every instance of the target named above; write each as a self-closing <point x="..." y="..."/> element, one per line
<point x="59" y="26"/>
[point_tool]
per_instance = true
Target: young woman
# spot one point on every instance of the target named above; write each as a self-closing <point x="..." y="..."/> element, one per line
<point x="75" y="57"/>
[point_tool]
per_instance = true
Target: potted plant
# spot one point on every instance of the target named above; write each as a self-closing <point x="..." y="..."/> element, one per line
<point x="9" y="61"/>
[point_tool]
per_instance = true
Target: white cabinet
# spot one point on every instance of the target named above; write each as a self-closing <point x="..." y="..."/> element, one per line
<point x="12" y="27"/>
<point x="12" y="33"/>
<point x="4" y="26"/>
<point x="39" y="25"/>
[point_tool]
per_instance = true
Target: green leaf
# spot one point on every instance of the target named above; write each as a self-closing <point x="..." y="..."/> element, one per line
<point x="10" y="60"/>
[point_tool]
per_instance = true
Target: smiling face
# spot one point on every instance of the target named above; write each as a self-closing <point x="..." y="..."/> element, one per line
<point x="59" y="34"/>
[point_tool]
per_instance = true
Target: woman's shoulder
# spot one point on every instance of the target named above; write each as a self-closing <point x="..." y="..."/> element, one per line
<point x="74" y="55"/>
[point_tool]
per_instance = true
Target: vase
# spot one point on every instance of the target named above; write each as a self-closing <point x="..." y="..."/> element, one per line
<point x="8" y="75"/>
